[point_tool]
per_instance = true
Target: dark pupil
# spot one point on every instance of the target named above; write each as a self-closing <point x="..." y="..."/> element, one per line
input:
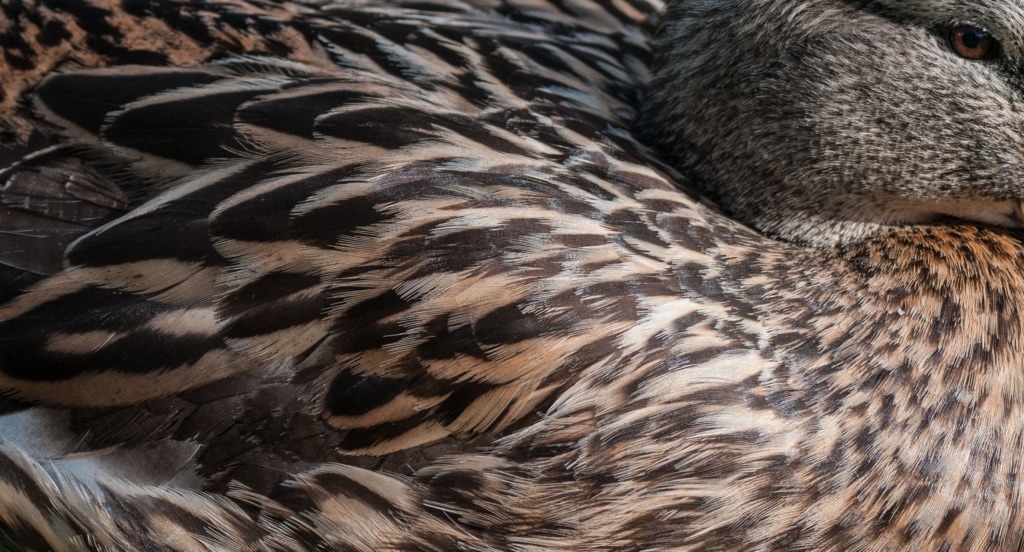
<point x="972" y="38"/>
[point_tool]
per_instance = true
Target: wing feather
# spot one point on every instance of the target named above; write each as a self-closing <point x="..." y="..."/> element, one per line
<point x="439" y="233"/>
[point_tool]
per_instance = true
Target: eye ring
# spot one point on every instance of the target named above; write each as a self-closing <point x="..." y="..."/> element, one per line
<point x="973" y="42"/>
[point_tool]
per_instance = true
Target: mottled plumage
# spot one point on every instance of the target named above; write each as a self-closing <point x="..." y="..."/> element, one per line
<point x="357" y="277"/>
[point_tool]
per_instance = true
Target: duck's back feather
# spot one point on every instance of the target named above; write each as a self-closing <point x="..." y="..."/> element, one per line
<point x="428" y="239"/>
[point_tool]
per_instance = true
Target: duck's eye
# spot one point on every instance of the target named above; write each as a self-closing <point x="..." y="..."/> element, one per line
<point x="971" y="42"/>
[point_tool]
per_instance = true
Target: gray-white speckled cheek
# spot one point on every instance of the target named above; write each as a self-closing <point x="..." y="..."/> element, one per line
<point x="832" y="121"/>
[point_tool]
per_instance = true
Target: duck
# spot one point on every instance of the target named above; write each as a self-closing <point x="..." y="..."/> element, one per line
<point x="467" y="275"/>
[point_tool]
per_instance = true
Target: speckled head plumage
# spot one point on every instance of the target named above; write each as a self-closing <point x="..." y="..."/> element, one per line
<point x="827" y="122"/>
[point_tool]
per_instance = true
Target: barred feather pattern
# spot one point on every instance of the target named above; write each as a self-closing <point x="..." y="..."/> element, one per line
<point x="411" y="283"/>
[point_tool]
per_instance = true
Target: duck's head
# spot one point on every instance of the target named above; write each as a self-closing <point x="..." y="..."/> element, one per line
<point x="831" y="121"/>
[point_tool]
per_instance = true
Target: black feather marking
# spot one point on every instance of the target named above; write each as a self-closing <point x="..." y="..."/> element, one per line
<point x="180" y="225"/>
<point x="471" y="248"/>
<point x="360" y="42"/>
<point x="297" y="115"/>
<point x="336" y="482"/>
<point x="365" y="438"/>
<point x="268" y="216"/>
<point x="387" y="127"/>
<point x="23" y="340"/>
<point x="85" y="99"/>
<point x="395" y="127"/>
<point x="389" y="28"/>
<point x="355" y="395"/>
<point x="437" y="47"/>
<point x="632" y="225"/>
<point x="462" y="396"/>
<point x="191" y="129"/>
<point x="325" y="225"/>
<point x="139" y="353"/>
<point x="385" y="305"/>
<point x="360" y="330"/>
<point x="164" y="233"/>
<point x="274" y="315"/>
<point x="13" y="281"/>
<point x="507" y="324"/>
<point x="446" y="342"/>
<point x="270" y="288"/>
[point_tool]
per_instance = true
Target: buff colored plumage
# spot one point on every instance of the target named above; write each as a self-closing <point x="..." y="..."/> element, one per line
<point x="452" y="275"/>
